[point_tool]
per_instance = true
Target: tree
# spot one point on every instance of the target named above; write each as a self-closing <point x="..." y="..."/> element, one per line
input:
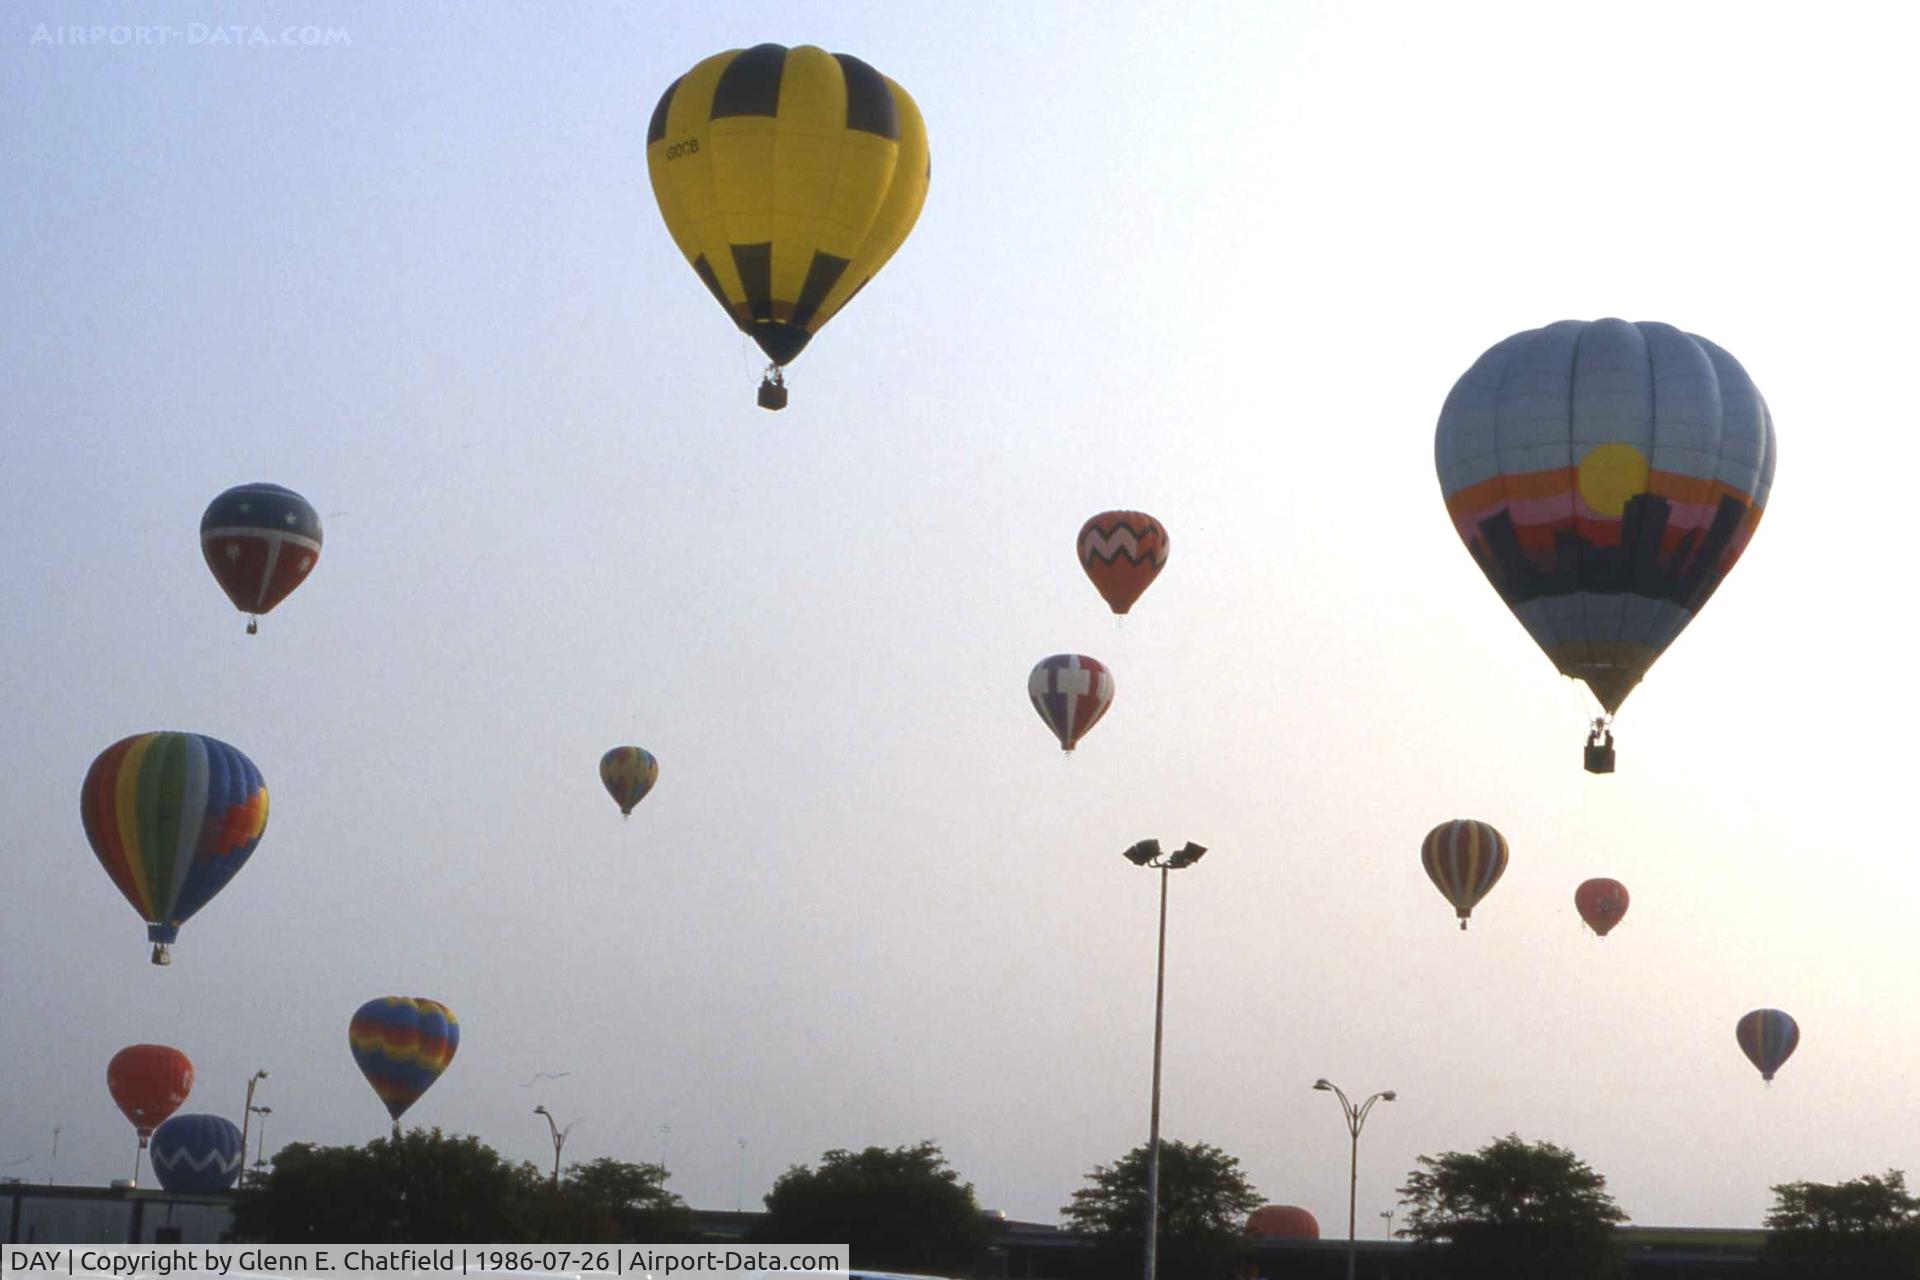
<point x="1514" y="1209"/>
<point x="901" y="1209"/>
<point x="1868" y="1227"/>
<point x="633" y="1196"/>
<point x="1204" y="1202"/>
<point x="422" y="1188"/>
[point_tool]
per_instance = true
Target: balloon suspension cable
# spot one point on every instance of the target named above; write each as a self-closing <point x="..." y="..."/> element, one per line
<point x="161" y="955"/>
<point x="773" y="389"/>
<point x="253" y="626"/>
<point x="1600" y="745"/>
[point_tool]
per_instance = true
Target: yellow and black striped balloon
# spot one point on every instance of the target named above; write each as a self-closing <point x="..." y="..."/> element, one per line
<point x="787" y="177"/>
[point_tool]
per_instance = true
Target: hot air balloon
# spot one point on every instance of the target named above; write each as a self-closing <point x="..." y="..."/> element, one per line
<point x="628" y="773"/>
<point x="1606" y="476"/>
<point x="148" y="1083"/>
<point x="402" y="1044"/>
<point x="1601" y="903"/>
<point x="172" y="817"/>
<point x="261" y="541"/>
<point x="1123" y="552"/>
<point x="1283" y="1222"/>
<point x="1464" y="859"/>
<point x="1768" y="1037"/>
<point x="787" y="177"/>
<point x="200" y="1155"/>
<point x="1071" y="692"/>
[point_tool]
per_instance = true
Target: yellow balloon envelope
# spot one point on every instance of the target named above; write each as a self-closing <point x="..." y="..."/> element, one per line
<point x="787" y="177"/>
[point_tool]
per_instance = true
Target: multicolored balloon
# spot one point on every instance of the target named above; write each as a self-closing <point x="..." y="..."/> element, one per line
<point x="172" y="817"/>
<point x="1606" y="476"/>
<point x="1071" y="692"/>
<point x="1601" y="903"/>
<point x="402" y="1044"/>
<point x="261" y="541"/>
<point x="148" y="1083"/>
<point x="1123" y="552"/>
<point x="1768" y="1037"/>
<point x="628" y="773"/>
<point x="787" y="178"/>
<point x="1464" y="859"/>
<point x="197" y="1154"/>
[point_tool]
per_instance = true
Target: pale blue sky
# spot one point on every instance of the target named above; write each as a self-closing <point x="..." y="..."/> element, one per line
<point x="1220" y="263"/>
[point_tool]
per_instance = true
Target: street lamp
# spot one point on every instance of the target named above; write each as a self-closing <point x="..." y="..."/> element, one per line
<point x="1388" y="1215"/>
<point x="559" y="1136"/>
<point x="260" y="1157"/>
<point x="1147" y="854"/>
<point x="1356" y="1117"/>
<point x="247" y="1115"/>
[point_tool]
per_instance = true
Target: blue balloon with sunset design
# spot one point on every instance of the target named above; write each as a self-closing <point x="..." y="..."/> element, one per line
<point x="402" y="1044"/>
<point x="1606" y="476"/>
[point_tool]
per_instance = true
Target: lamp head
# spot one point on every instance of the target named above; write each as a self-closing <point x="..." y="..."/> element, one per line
<point x="1143" y="853"/>
<point x="540" y="1110"/>
<point x="1388" y="1096"/>
<point x="1323" y="1083"/>
<point x="1189" y="854"/>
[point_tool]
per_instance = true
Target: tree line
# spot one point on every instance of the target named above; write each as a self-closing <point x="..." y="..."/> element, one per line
<point x="1511" y="1210"/>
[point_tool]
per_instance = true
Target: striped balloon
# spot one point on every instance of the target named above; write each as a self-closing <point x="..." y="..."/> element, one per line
<point x="1071" y="692"/>
<point x="1768" y="1037"/>
<point x="197" y="1154"/>
<point x="402" y="1044"/>
<point x="1464" y="859"/>
<point x="172" y="817"/>
<point x="628" y="773"/>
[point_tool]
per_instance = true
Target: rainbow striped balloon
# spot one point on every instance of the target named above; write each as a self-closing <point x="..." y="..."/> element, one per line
<point x="1768" y="1037"/>
<point x="172" y="817"/>
<point x="402" y="1044"/>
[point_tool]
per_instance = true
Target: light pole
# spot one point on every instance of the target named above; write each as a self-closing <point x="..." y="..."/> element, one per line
<point x="559" y="1136"/>
<point x="247" y="1115"/>
<point x="1388" y="1215"/>
<point x="1356" y="1118"/>
<point x="1147" y="854"/>
<point x="260" y="1156"/>
<point x="740" y="1190"/>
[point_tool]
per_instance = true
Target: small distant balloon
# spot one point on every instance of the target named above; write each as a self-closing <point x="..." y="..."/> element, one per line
<point x="197" y="1154"/>
<point x="172" y="817"/>
<point x="1602" y="903"/>
<point x="1071" y="692"/>
<point x="402" y="1044"/>
<point x="148" y="1083"/>
<point x="261" y="541"/>
<point x="1122" y="552"/>
<point x="1464" y="859"/>
<point x="1283" y="1222"/>
<point x="628" y="773"/>
<point x="1768" y="1037"/>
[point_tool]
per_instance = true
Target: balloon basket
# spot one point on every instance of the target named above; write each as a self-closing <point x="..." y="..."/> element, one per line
<point x="1600" y="749"/>
<point x="253" y="626"/>
<point x="161" y="955"/>
<point x="773" y="390"/>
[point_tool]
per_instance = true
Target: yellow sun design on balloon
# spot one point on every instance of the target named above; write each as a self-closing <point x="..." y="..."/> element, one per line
<point x="1610" y="475"/>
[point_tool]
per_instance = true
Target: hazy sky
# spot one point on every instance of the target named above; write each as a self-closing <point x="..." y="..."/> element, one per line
<point x="1221" y="263"/>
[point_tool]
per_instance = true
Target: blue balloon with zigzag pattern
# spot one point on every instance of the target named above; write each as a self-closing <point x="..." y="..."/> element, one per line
<point x="197" y="1154"/>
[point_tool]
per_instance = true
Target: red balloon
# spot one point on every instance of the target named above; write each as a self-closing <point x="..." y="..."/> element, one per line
<point x="1601" y="902"/>
<point x="1283" y="1222"/>
<point x="148" y="1083"/>
<point x="1123" y="552"/>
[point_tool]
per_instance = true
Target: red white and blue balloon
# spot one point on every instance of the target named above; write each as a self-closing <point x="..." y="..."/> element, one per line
<point x="261" y="541"/>
<point x="1071" y="692"/>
